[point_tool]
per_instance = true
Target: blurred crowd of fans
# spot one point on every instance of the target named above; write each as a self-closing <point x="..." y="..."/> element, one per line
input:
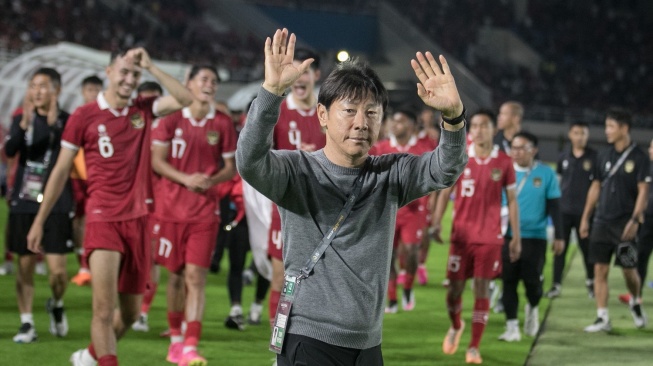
<point x="594" y="53"/>
<point x="172" y="30"/>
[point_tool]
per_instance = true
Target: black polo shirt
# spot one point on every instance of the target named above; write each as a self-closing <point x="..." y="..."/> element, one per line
<point x="619" y="192"/>
<point x="576" y="175"/>
<point x="33" y="145"/>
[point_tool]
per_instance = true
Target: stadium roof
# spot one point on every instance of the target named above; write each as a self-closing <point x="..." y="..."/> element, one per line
<point x="74" y="62"/>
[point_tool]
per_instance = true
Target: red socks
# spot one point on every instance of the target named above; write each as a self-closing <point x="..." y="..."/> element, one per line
<point x="408" y="282"/>
<point x="175" y="318"/>
<point x="108" y="360"/>
<point x="392" y="289"/>
<point x="193" y="333"/>
<point x="479" y="319"/>
<point x="148" y="296"/>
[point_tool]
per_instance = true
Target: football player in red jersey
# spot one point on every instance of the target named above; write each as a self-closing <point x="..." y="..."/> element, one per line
<point x="476" y="238"/>
<point x="411" y="218"/>
<point x="193" y="150"/>
<point x="114" y="133"/>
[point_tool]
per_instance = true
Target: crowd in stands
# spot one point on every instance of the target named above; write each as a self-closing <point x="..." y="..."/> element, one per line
<point x="594" y="54"/>
<point x="26" y="24"/>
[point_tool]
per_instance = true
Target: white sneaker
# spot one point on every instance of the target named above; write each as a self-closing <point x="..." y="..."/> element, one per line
<point x="141" y="324"/>
<point x="41" y="269"/>
<point x="26" y="334"/>
<point x="6" y="268"/>
<point x="639" y="317"/>
<point x="58" y="319"/>
<point x="392" y="309"/>
<point x="599" y="325"/>
<point x="255" y="312"/>
<point x="406" y="303"/>
<point x="82" y="358"/>
<point x="511" y="334"/>
<point x="531" y="321"/>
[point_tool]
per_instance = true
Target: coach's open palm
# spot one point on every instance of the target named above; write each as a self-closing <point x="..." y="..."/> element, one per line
<point x="436" y="86"/>
<point x="280" y="73"/>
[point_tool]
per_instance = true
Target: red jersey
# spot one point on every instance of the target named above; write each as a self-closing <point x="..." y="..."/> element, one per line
<point x="195" y="147"/>
<point x="424" y="138"/>
<point x="415" y="146"/>
<point x="117" y="156"/>
<point x="297" y="128"/>
<point x="477" y="208"/>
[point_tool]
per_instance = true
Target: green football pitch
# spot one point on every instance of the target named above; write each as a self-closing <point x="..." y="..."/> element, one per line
<point x="409" y="338"/>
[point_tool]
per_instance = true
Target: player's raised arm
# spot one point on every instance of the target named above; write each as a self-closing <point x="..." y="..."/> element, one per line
<point x="179" y="97"/>
<point x="437" y="88"/>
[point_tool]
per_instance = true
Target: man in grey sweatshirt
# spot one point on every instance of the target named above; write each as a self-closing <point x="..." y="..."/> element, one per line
<point x="337" y="314"/>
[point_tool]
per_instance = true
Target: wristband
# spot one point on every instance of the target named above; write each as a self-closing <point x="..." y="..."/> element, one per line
<point x="456" y="120"/>
<point x="635" y="220"/>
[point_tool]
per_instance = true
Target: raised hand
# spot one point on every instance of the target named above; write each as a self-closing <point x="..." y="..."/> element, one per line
<point x="280" y="73"/>
<point x="53" y="108"/>
<point x="140" y="57"/>
<point x="28" y="111"/>
<point x="436" y="86"/>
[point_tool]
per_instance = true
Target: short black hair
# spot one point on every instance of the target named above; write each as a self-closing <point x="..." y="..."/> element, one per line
<point x="150" y="86"/>
<point x="352" y="80"/>
<point x="621" y="115"/>
<point x="53" y="74"/>
<point x="579" y="124"/>
<point x="302" y="54"/>
<point x="195" y="69"/>
<point x="408" y="111"/>
<point x="118" y="52"/>
<point x="93" y="79"/>
<point x="528" y="136"/>
<point x="486" y="112"/>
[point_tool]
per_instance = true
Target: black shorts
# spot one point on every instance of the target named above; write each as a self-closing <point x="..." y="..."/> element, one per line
<point x="302" y="350"/>
<point x="605" y="240"/>
<point x="57" y="233"/>
<point x="530" y="264"/>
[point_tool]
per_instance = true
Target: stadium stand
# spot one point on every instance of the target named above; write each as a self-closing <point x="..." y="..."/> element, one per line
<point x="599" y="49"/>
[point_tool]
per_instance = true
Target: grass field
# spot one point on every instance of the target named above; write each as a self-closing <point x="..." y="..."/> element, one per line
<point x="409" y="339"/>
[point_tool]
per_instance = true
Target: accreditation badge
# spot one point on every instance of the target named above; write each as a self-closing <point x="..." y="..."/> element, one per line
<point x="33" y="181"/>
<point x="283" y="313"/>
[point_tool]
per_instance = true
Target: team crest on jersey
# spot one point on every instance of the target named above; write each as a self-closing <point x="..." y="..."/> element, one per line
<point x="629" y="166"/>
<point x="565" y="164"/>
<point x="467" y="172"/>
<point x="587" y="165"/>
<point x="213" y="137"/>
<point x="537" y="182"/>
<point x="137" y="121"/>
<point x="496" y="174"/>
